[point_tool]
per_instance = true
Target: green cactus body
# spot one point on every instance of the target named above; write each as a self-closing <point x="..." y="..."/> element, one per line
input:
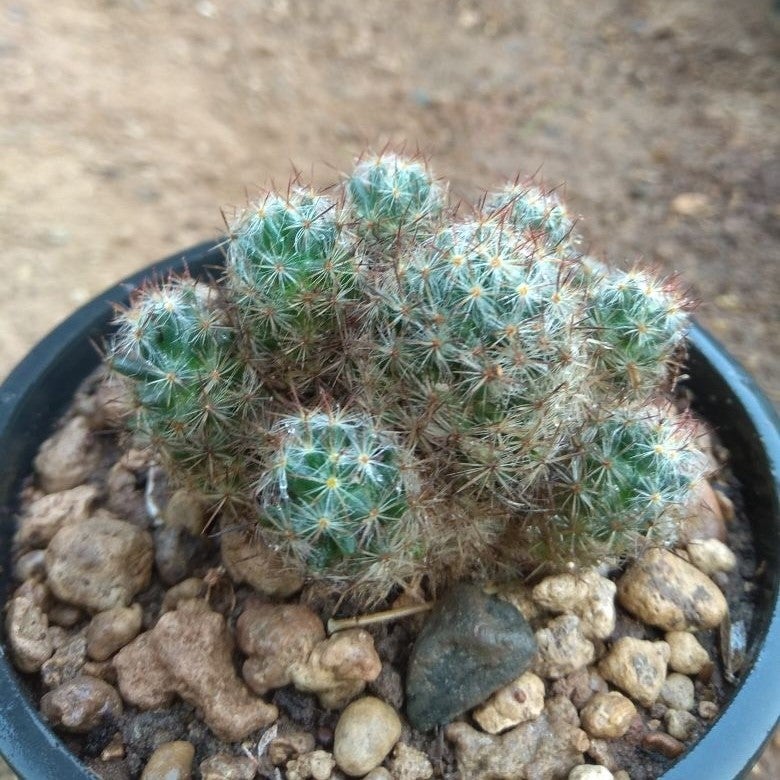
<point x="337" y="491"/>
<point x="530" y="209"/>
<point x="638" y="324"/>
<point x="192" y="391"/>
<point x="289" y="277"/>
<point x="626" y="485"/>
<point x="392" y="197"/>
<point x="478" y="317"/>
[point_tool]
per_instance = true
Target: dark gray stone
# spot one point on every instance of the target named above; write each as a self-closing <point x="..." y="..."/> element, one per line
<point x="471" y="645"/>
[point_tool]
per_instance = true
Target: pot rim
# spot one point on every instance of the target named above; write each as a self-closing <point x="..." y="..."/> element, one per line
<point x="727" y="749"/>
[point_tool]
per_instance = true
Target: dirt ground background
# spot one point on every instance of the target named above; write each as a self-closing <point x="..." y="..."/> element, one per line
<point x="127" y="124"/>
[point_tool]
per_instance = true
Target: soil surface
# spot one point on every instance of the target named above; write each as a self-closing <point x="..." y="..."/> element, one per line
<point x="126" y="124"/>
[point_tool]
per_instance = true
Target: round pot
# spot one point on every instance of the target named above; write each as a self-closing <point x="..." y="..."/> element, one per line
<point x="39" y="390"/>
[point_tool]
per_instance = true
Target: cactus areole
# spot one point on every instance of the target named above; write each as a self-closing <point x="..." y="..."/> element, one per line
<point x="391" y="390"/>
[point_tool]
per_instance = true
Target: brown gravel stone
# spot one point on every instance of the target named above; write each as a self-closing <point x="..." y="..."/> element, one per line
<point x="68" y="458"/>
<point x="100" y="563"/>
<point x="608" y="715"/>
<point x="81" y="704"/>
<point x="27" y="632"/>
<point x="248" y="559"/>
<point x="275" y="636"/>
<point x="637" y="667"/>
<point x="665" y="744"/>
<point x="338" y="668"/>
<point x="170" y="761"/>
<point x="190" y="652"/>
<point x="110" y="630"/>
<point x="665" y="591"/>
<point x="46" y="515"/>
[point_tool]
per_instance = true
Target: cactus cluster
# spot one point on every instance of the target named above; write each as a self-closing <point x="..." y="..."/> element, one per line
<point x="391" y="391"/>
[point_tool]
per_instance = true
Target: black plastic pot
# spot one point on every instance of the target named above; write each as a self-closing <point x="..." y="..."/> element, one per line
<point x="41" y="387"/>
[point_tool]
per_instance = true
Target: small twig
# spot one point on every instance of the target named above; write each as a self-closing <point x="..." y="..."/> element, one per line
<point x="359" y="621"/>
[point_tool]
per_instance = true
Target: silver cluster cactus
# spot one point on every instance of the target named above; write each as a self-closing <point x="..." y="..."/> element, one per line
<point x="390" y="390"/>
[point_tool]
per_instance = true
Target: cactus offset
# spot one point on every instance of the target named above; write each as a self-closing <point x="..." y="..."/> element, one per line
<point x="625" y="484"/>
<point x="340" y="495"/>
<point x="391" y="197"/>
<point x="194" y="395"/>
<point x="289" y="277"/>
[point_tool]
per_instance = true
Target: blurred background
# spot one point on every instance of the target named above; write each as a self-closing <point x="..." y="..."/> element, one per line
<point x="127" y="124"/>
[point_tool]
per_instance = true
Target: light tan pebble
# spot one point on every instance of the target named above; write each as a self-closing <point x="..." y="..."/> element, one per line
<point x="590" y="772"/>
<point x="275" y="636"/>
<point x="224" y="766"/>
<point x="190" y="652"/>
<point x="114" y="750"/>
<point x="36" y="592"/>
<point x="637" y="667"/>
<point x="365" y="733"/>
<point x="665" y="591"/>
<point x="81" y="704"/>
<point x="170" y="761"/>
<point x="338" y="668"/>
<point x="708" y="710"/>
<point x="711" y="556"/>
<point x="549" y="746"/>
<point x="380" y="773"/>
<point x="187" y="590"/>
<point x="66" y="663"/>
<point x="184" y="510"/>
<point x="680" y="724"/>
<point x="248" y="559"/>
<point x="560" y="593"/>
<point x="112" y="629"/>
<point x="28" y="635"/>
<point x="46" y="515"/>
<point x="521" y="700"/>
<point x="622" y="775"/>
<point x="520" y="596"/>
<point x="100" y="563"/>
<point x="678" y="692"/>
<point x="562" y="648"/>
<point x="408" y="763"/>
<point x="704" y="517"/>
<point x="317" y="765"/>
<point x="64" y="615"/>
<point x="69" y="457"/>
<point x="692" y="204"/>
<point x="687" y="654"/>
<point x="597" y="611"/>
<point x="286" y="747"/>
<point x="607" y="715"/>
<point x="30" y="566"/>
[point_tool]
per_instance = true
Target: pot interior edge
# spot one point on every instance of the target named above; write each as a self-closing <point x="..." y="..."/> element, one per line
<point x="38" y="391"/>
